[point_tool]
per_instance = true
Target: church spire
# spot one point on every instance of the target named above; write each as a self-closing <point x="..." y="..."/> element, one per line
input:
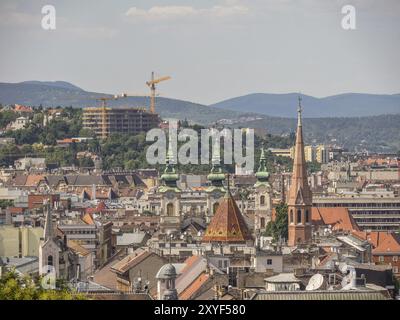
<point x="299" y="175"/>
<point x="48" y="225"/>
<point x="300" y="196"/>
<point x="262" y="173"/>
<point x="299" y="111"/>
<point x="216" y="176"/>
<point x="170" y="177"/>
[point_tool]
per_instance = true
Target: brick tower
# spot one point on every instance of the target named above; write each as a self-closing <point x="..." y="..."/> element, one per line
<point x="300" y="196"/>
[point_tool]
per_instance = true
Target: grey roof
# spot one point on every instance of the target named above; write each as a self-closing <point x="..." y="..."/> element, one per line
<point x="24" y="265"/>
<point x="53" y="180"/>
<point x="127" y="239"/>
<point x="283" y="278"/>
<point x="323" y="295"/>
<point x="91" y="286"/>
<point x="198" y="223"/>
<point x="84" y="180"/>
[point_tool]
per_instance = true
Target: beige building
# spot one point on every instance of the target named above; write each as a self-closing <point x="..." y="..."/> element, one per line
<point x="322" y="154"/>
<point x="309" y="153"/>
<point x="282" y="152"/>
<point x="20" y="242"/>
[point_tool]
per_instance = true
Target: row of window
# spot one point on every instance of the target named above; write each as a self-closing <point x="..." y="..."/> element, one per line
<point x="359" y="205"/>
<point x="394" y="258"/>
<point x="299" y="219"/>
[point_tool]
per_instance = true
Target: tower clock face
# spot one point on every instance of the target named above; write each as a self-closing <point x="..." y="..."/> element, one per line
<point x="216" y="194"/>
<point x="170" y="195"/>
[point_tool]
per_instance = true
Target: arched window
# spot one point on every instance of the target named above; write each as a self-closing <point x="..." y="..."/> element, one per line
<point x="307" y="216"/>
<point x="170" y="209"/>
<point x="262" y="222"/>
<point x="215" y="207"/>
<point x="50" y="260"/>
<point x="291" y="216"/>
<point x="299" y="216"/>
<point x="262" y="200"/>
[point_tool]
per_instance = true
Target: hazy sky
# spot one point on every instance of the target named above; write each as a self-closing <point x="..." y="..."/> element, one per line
<point x="212" y="49"/>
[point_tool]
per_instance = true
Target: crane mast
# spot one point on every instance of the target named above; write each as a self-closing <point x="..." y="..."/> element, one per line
<point x="152" y="85"/>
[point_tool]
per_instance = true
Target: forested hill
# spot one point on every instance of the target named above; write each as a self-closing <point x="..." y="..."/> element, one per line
<point x="373" y="133"/>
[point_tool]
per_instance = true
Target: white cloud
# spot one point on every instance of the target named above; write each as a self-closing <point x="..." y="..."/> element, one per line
<point x="183" y="12"/>
<point x="19" y="19"/>
<point x="91" y="32"/>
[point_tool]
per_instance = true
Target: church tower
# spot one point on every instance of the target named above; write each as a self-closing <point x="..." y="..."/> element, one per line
<point x="166" y="277"/>
<point x="300" y="196"/>
<point x="215" y="192"/>
<point x="170" y="217"/>
<point x="263" y="199"/>
<point x="49" y="251"/>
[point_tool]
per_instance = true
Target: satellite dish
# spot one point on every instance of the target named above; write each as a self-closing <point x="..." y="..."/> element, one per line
<point x="343" y="267"/>
<point x="315" y="282"/>
<point x="345" y="281"/>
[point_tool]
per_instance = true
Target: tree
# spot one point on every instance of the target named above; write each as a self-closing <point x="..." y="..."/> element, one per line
<point x="16" y="287"/>
<point x="6" y="203"/>
<point x="278" y="229"/>
<point x="6" y="117"/>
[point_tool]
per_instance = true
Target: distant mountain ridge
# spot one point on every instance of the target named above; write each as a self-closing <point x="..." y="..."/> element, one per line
<point x="341" y="105"/>
<point x="356" y="131"/>
<point x="56" y="84"/>
<point x="59" y="93"/>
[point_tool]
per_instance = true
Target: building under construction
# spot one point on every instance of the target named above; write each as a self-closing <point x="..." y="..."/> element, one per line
<point x="106" y="121"/>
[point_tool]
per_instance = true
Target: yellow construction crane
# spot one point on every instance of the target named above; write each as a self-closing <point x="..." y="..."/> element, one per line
<point x="104" y="125"/>
<point x="152" y="85"/>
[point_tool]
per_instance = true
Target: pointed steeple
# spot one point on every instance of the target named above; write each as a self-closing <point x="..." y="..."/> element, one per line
<point x="300" y="196"/>
<point x="216" y="176"/>
<point x="228" y="224"/>
<point x="299" y="177"/>
<point x="262" y="173"/>
<point x="170" y="177"/>
<point x="48" y="225"/>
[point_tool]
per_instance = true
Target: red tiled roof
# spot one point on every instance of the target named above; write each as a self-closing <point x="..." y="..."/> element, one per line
<point x="33" y="180"/>
<point x="16" y="210"/>
<point x="21" y="108"/>
<point x="228" y="224"/>
<point x="194" y="286"/>
<point x="189" y="262"/>
<point x="88" y="219"/>
<point x="339" y="218"/>
<point x="382" y="242"/>
<point x="389" y="245"/>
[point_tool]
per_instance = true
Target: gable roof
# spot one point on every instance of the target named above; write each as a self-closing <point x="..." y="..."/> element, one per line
<point x="75" y="246"/>
<point x="339" y="218"/>
<point x="382" y="242"/>
<point x="88" y="219"/>
<point x="130" y="261"/>
<point x="194" y="287"/>
<point x="33" y="180"/>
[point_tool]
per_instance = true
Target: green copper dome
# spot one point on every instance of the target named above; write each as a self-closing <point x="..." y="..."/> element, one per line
<point x="262" y="174"/>
<point x="170" y="176"/>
